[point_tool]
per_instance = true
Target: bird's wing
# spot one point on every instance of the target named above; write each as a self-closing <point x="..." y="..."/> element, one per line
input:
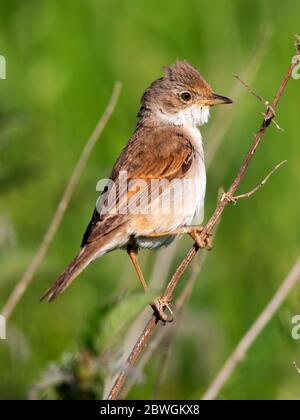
<point x="151" y="154"/>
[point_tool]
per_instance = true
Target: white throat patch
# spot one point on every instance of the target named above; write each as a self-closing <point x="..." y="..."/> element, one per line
<point x="194" y="116"/>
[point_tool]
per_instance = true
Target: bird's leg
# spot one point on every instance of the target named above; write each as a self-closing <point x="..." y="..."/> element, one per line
<point x="193" y="231"/>
<point x="133" y="253"/>
<point x="159" y="304"/>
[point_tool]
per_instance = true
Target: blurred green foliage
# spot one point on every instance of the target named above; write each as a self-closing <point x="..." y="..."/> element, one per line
<point x="62" y="61"/>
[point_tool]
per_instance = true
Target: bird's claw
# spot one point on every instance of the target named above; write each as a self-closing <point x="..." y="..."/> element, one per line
<point x="159" y="306"/>
<point x="203" y="242"/>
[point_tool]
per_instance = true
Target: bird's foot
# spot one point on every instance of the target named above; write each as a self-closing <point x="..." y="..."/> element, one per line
<point x="205" y="242"/>
<point x="159" y="306"/>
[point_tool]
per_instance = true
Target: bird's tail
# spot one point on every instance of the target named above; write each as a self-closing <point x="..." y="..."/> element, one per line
<point x="86" y="255"/>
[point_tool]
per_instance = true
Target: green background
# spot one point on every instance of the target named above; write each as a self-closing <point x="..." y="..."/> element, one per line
<point x="63" y="58"/>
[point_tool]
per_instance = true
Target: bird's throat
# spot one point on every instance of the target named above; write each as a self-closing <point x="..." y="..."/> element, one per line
<point x="192" y="117"/>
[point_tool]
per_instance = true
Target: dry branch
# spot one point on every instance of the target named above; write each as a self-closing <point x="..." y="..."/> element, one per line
<point x="27" y="277"/>
<point x="208" y="229"/>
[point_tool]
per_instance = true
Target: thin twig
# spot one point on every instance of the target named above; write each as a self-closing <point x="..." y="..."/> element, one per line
<point x="256" y="95"/>
<point x="208" y="230"/>
<point x="260" y="98"/>
<point x="27" y="277"/>
<point x="254" y="190"/>
<point x="247" y="341"/>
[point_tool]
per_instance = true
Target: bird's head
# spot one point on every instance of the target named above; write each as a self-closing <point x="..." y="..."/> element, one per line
<point x="181" y="97"/>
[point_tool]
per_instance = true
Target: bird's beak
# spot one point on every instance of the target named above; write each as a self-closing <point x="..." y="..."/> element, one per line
<point x="214" y="99"/>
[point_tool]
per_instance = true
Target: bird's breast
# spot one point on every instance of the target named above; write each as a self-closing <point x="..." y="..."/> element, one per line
<point x="197" y="176"/>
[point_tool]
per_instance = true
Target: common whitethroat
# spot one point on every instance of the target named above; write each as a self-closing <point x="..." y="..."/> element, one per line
<point x="165" y="183"/>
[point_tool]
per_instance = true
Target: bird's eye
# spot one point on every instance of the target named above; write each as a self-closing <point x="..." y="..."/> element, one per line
<point x="185" y="96"/>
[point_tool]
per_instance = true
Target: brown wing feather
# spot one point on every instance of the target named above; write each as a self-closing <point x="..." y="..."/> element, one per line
<point x="152" y="153"/>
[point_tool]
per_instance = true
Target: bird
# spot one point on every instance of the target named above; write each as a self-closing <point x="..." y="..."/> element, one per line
<point x="157" y="185"/>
